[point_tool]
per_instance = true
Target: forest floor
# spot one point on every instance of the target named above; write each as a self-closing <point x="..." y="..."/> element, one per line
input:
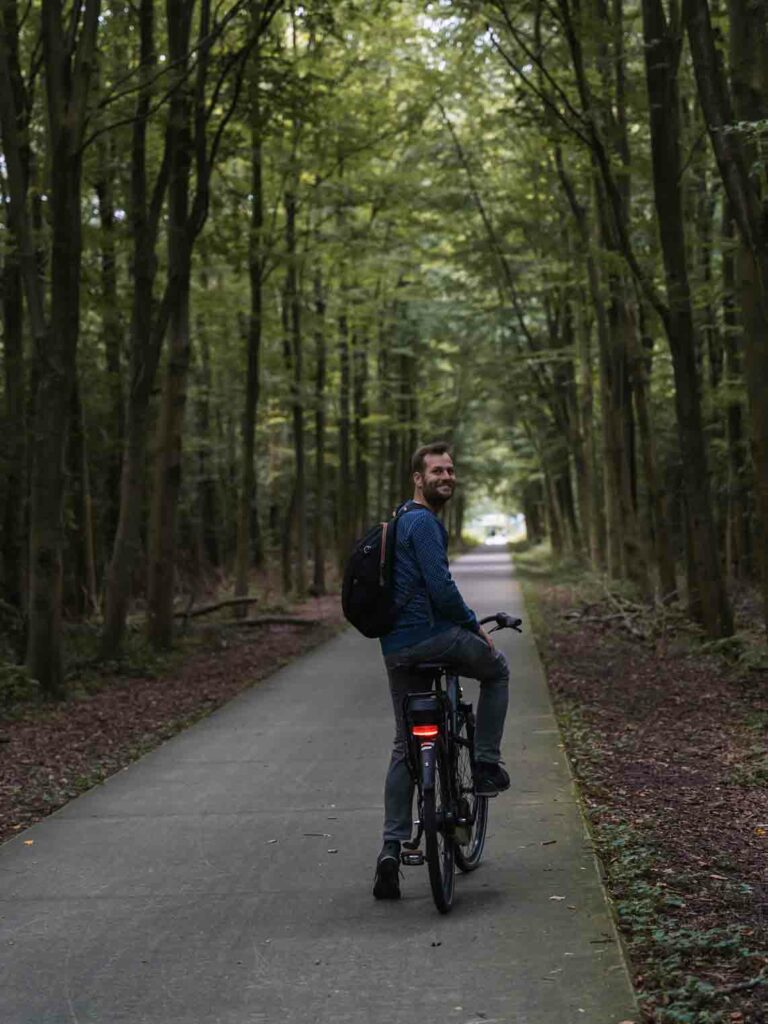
<point x="666" y="735"/>
<point x="52" y="753"/>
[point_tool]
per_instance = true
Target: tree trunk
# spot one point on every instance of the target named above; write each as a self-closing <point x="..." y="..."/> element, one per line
<point x="19" y="274"/>
<point x="554" y="517"/>
<point x="360" y="405"/>
<point x="589" y="505"/>
<point x="13" y="441"/>
<point x="738" y="532"/>
<point x="207" y="500"/>
<point x="318" y="578"/>
<point x="657" y="495"/>
<point x="749" y="52"/>
<point x="533" y="510"/>
<point x="287" y="521"/>
<point x="249" y="545"/>
<point x="595" y="530"/>
<point x="148" y="325"/>
<point x="344" y="494"/>
<point x="67" y="87"/>
<point x="297" y="396"/>
<point x="82" y="597"/>
<point x="662" y="54"/>
<point x="749" y="78"/>
<point x="112" y="334"/>
<point x="167" y="472"/>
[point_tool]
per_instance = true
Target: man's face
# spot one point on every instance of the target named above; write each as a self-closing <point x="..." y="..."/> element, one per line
<point x="438" y="479"/>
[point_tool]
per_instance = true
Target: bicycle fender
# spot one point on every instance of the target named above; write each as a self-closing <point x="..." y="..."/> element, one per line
<point x="427" y="759"/>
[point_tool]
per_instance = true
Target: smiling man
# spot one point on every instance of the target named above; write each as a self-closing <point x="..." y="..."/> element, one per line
<point x="434" y="624"/>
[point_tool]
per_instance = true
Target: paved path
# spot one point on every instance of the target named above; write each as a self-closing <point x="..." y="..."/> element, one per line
<point x="194" y="888"/>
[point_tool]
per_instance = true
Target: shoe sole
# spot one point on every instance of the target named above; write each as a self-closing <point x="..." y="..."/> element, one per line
<point x="490" y="791"/>
<point x="387" y="884"/>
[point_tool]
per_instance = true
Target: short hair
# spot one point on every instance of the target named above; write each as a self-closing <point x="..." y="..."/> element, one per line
<point x="418" y="459"/>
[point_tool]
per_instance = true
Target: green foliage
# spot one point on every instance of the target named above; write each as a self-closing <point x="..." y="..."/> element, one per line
<point x="17" y="689"/>
<point x="746" y="650"/>
<point x="753" y="770"/>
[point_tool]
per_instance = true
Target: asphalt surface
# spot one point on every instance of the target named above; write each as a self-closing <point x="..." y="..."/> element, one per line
<point x="226" y="877"/>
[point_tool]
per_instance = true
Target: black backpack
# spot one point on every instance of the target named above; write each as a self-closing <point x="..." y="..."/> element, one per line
<point x="368" y="590"/>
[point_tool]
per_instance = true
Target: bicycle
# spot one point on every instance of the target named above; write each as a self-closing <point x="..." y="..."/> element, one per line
<point x="440" y="731"/>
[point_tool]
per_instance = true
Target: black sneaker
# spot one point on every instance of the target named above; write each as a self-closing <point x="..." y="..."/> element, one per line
<point x="386" y="885"/>
<point x="490" y="779"/>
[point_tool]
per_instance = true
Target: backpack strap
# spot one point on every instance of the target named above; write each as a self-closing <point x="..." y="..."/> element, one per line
<point x="383" y="554"/>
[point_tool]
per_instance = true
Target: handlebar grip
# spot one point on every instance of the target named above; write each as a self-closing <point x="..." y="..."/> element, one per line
<point x="503" y="621"/>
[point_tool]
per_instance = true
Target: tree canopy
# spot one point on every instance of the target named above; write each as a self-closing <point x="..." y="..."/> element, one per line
<point x="254" y="253"/>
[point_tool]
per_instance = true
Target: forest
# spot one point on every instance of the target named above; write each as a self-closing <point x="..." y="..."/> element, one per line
<point x="254" y="252"/>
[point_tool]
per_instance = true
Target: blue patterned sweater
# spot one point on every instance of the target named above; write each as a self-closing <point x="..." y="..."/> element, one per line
<point x="423" y="583"/>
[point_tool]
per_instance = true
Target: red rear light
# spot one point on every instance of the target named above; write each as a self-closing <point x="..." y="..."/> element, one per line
<point x="425" y="732"/>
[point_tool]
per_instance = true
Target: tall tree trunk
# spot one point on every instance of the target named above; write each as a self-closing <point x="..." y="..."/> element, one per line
<point x="410" y="409"/>
<point x="207" y="500"/>
<point x="19" y="275"/>
<point x="249" y="542"/>
<point x="13" y="441"/>
<point x="533" y="510"/>
<point x="749" y="55"/>
<point x="554" y="517"/>
<point x="662" y="53"/>
<point x="596" y="508"/>
<point x="286" y="541"/>
<point x="83" y="597"/>
<point x="293" y="301"/>
<point x="749" y="79"/>
<point x="360" y="404"/>
<point x="318" y="578"/>
<point x="167" y="471"/>
<point x="148" y="325"/>
<point x="68" y="75"/>
<point x="657" y="495"/>
<point x="344" y="493"/>
<point x="112" y="334"/>
<point x="738" y="532"/>
<point x="589" y="505"/>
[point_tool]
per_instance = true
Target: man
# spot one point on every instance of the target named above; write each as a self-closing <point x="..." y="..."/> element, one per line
<point x="434" y="624"/>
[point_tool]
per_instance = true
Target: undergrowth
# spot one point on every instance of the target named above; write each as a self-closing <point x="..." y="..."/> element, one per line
<point x="684" y="973"/>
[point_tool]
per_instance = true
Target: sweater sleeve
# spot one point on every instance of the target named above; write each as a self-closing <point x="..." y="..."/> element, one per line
<point x="429" y="550"/>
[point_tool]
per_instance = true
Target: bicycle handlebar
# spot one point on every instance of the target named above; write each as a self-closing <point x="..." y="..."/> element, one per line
<point x="503" y="621"/>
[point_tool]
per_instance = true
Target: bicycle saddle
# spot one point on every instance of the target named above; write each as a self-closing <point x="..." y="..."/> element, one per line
<point x="429" y="667"/>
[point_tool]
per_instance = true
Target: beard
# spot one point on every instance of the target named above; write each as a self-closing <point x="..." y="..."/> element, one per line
<point x="438" y="492"/>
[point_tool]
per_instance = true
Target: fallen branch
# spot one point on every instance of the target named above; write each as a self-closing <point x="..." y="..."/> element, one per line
<point x="270" y="620"/>
<point x="622" y="607"/>
<point x="579" y="617"/>
<point x="206" y="609"/>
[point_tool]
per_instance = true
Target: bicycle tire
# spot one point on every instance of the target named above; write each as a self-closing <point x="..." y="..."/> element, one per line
<point x="439" y="841"/>
<point x="470" y="852"/>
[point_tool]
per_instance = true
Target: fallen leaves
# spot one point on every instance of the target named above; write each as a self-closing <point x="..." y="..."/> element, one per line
<point x="660" y="741"/>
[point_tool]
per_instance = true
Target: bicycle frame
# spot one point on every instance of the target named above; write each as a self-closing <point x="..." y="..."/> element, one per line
<point x="429" y="718"/>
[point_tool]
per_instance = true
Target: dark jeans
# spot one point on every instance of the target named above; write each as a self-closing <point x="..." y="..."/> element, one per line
<point x="470" y="656"/>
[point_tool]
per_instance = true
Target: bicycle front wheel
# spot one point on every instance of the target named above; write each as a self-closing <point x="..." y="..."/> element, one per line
<point x="438" y="834"/>
<point x="470" y="837"/>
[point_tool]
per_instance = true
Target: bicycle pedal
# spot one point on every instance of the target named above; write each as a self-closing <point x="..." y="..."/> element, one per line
<point x="412" y="858"/>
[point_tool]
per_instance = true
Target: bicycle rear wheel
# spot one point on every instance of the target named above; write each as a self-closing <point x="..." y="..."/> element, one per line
<point x="470" y="838"/>
<point x="440" y="844"/>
